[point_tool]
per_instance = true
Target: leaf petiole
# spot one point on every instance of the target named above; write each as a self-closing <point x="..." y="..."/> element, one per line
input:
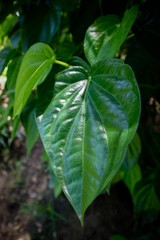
<point x="62" y="63"/>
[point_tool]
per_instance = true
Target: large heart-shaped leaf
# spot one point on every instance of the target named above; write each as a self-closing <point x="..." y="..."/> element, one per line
<point x="35" y="66"/>
<point x="87" y="127"/>
<point x="107" y="34"/>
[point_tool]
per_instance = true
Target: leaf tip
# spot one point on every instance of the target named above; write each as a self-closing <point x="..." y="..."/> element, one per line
<point x="81" y="218"/>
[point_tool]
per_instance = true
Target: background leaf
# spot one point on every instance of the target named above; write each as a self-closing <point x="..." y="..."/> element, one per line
<point x="87" y="127"/>
<point x="5" y="55"/>
<point x="28" y="121"/>
<point x="12" y="74"/>
<point x="7" y="25"/>
<point x="131" y="177"/>
<point x="144" y="196"/>
<point x="130" y="171"/>
<point x="133" y="153"/>
<point x="107" y="34"/>
<point x="41" y="23"/>
<point x="35" y="66"/>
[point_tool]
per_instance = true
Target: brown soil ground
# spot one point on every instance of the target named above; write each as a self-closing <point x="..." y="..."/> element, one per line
<point x="29" y="210"/>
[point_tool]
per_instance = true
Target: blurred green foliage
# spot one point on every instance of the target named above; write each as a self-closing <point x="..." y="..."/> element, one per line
<point x="63" y="27"/>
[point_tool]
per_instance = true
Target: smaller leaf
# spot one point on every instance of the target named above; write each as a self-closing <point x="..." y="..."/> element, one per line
<point x="107" y="34"/>
<point x="35" y="67"/>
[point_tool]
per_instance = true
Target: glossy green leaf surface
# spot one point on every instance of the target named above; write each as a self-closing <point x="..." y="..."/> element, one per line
<point x="107" y="34"/>
<point x="87" y="127"/>
<point x="35" y="67"/>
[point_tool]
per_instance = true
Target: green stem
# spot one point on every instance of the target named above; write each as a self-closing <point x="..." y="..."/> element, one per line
<point x="62" y="63"/>
<point x="130" y="36"/>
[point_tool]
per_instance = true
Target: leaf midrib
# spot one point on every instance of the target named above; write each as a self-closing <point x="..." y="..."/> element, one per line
<point x="52" y="126"/>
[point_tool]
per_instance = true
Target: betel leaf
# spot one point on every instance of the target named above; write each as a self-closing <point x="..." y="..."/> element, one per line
<point x="35" y="66"/>
<point x="107" y="34"/>
<point x="87" y="127"/>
